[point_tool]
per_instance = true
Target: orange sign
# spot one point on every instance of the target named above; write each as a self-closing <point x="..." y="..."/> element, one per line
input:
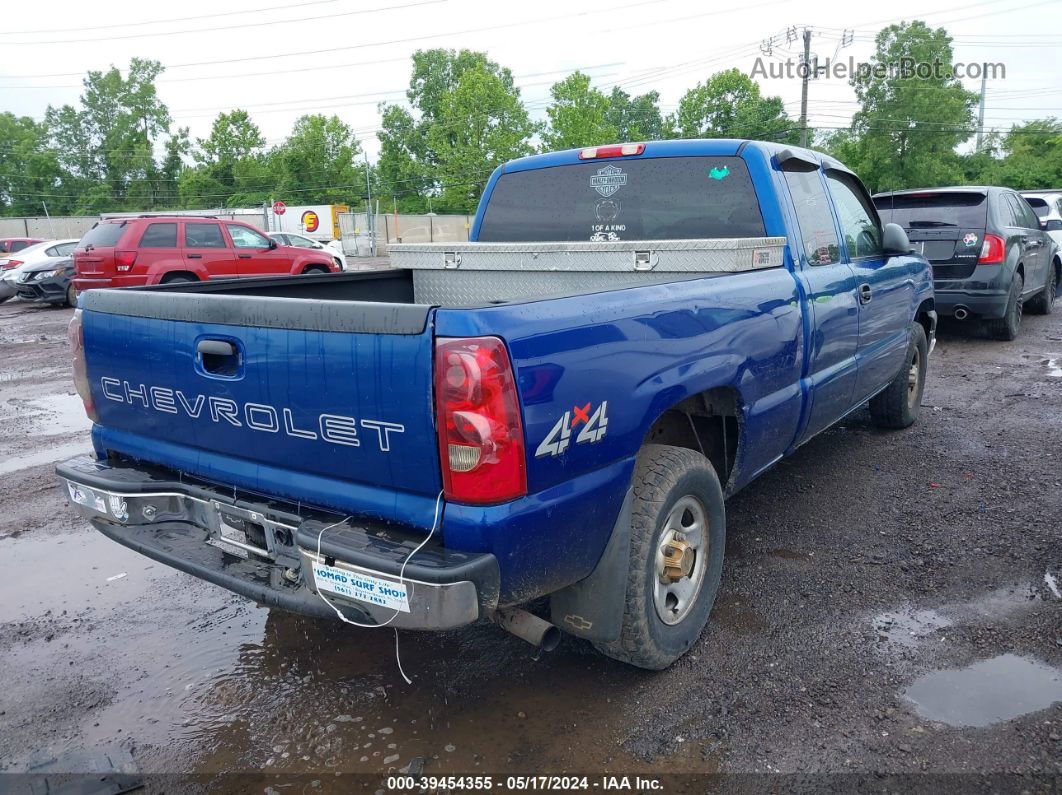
<point x="310" y="221"/>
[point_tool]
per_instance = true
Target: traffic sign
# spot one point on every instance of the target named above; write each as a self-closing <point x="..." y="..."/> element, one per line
<point x="279" y="208"/>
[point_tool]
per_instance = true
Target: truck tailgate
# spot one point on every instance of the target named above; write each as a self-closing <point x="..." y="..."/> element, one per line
<point x="338" y="410"/>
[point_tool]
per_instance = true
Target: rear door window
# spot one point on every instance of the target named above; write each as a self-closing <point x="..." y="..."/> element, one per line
<point x="664" y="198"/>
<point x="1025" y="217"/>
<point x="965" y="209"/>
<point x="159" y="236"/>
<point x="814" y="217"/>
<point x="203" y="236"/>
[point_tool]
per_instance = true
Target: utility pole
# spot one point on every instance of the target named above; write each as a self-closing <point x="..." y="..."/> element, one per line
<point x="981" y="113"/>
<point x="804" y="88"/>
<point x="370" y="218"/>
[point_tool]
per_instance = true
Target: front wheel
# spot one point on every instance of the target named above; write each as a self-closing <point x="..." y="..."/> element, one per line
<point x="315" y="269"/>
<point x="678" y="535"/>
<point x="898" y="405"/>
<point x="71" y="295"/>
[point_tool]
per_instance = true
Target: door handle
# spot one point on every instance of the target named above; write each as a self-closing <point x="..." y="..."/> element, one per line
<point x="215" y="348"/>
<point x="865" y="294"/>
<point x="244" y="256"/>
<point x="195" y="256"/>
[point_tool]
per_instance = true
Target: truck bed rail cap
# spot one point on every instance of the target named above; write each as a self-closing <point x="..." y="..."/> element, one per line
<point x="261" y="311"/>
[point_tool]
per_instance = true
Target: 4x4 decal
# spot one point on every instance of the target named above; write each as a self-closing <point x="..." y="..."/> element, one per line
<point x="593" y="429"/>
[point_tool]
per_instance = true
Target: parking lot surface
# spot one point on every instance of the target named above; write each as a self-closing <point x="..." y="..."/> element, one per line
<point x="890" y="603"/>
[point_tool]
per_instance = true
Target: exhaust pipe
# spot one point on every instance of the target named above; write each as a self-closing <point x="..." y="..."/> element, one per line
<point x="539" y="633"/>
<point x="961" y="313"/>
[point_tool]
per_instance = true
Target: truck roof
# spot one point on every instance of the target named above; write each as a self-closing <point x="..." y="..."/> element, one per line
<point x="691" y="147"/>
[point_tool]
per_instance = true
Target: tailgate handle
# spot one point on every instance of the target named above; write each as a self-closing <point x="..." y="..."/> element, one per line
<point x="215" y="348"/>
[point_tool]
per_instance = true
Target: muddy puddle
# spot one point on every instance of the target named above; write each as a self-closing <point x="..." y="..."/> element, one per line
<point x="198" y="678"/>
<point x="987" y="692"/>
<point x="47" y="416"/>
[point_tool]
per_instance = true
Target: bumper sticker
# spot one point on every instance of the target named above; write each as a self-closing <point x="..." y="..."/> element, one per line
<point x="361" y="587"/>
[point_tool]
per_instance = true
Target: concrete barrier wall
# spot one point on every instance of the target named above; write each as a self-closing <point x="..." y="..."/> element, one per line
<point x="403" y="228"/>
<point x="58" y="227"/>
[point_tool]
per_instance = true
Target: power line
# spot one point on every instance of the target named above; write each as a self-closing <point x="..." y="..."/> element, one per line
<point x="242" y="26"/>
<point x="164" y="21"/>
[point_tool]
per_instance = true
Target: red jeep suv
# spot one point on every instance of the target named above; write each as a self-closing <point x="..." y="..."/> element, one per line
<point x="154" y="249"/>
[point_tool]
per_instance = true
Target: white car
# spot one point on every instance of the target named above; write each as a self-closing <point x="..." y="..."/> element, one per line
<point x="333" y="247"/>
<point x="1047" y="204"/>
<point x="12" y="265"/>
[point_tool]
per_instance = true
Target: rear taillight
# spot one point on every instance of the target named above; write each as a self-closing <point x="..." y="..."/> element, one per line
<point x="481" y="436"/>
<point x="124" y="260"/>
<point x="993" y="252"/>
<point x="76" y="335"/>
<point x="12" y="263"/>
<point x="619" y="150"/>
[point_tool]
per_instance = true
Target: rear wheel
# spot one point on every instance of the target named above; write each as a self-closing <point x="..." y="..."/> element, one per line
<point x="899" y="404"/>
<point x="678" y="535"/>
<point x="1044" y="302"/>
<point x="178" y="278"/>
<point x="1006" y="328"/>
<point x="71" y="295"/>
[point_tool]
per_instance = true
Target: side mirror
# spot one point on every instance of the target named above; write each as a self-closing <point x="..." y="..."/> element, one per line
<point x="273" y="243"/>
<point x="894" y="241"/>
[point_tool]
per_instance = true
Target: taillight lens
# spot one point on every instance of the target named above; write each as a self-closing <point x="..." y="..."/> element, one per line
<point x="124" y="260"/>
<point x="993" y="252"/>
<point x="481" y="436"/>
<point x="12" y="263"/>
<point x="76" y="335"/>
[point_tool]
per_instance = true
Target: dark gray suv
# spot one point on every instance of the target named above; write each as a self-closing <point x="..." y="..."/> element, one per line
<point x="988" y="253"/>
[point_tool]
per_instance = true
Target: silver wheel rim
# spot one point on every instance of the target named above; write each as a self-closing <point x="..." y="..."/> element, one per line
<point x="684" y="538"/>
<point x="913" y="377"/>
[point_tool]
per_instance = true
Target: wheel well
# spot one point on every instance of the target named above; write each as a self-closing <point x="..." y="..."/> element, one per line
<point x="1058" y="268"/>
<point x="316" y="267"/>
<point x="1021" y="270"/>
<point x="171" y="275"/>
<point x="922" y="315"/>
<point x="708" y="422"/>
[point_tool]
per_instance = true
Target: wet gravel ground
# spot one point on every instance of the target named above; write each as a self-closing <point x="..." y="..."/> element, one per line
<point x="890" y="605"/>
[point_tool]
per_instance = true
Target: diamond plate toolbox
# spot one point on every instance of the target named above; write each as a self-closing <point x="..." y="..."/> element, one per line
<point x="466" y="274"/>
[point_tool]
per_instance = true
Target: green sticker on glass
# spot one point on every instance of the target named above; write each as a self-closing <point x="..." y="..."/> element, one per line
<point x="719" y="173"/>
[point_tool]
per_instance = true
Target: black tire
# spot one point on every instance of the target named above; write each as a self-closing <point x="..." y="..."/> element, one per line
<point x="1007" y="327"/>
<point x="316" y="269"/>
<point x="71" y="295"/>
<point x="1044" y="301"/>
<point x="178" y="278"/>
<point x="899" y="404"/>
<point x="664" y="477"/>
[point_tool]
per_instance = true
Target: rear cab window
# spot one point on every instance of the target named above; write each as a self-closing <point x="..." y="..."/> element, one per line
<point x="962" y="209"/>
<point x="664" y="198"/>
<point x="105" y="235"/>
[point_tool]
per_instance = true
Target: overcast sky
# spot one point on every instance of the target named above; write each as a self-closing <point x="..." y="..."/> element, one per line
<point x="345" y="56"/>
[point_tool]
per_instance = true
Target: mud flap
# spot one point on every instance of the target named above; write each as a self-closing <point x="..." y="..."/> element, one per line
<point x="593" y="607"/>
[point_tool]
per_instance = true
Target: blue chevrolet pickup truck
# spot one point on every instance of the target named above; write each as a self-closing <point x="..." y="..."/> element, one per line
<point x="557" y="408"/>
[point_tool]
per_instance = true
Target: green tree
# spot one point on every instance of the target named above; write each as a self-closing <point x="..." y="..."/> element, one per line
<point x="635" y="118"/>
<point x="729" y="105"/>
<point x="108" y="141"/>
<point x="1032" y="156"/>
<point x="466" y="117"/>
<point x="578" y="115"/>
<point x="909" y="125"/>
<point x="30" y="173"/>
<point x="231" y="164"/>
<point x="318" y="163"/>
<point x="178" y="147"/>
